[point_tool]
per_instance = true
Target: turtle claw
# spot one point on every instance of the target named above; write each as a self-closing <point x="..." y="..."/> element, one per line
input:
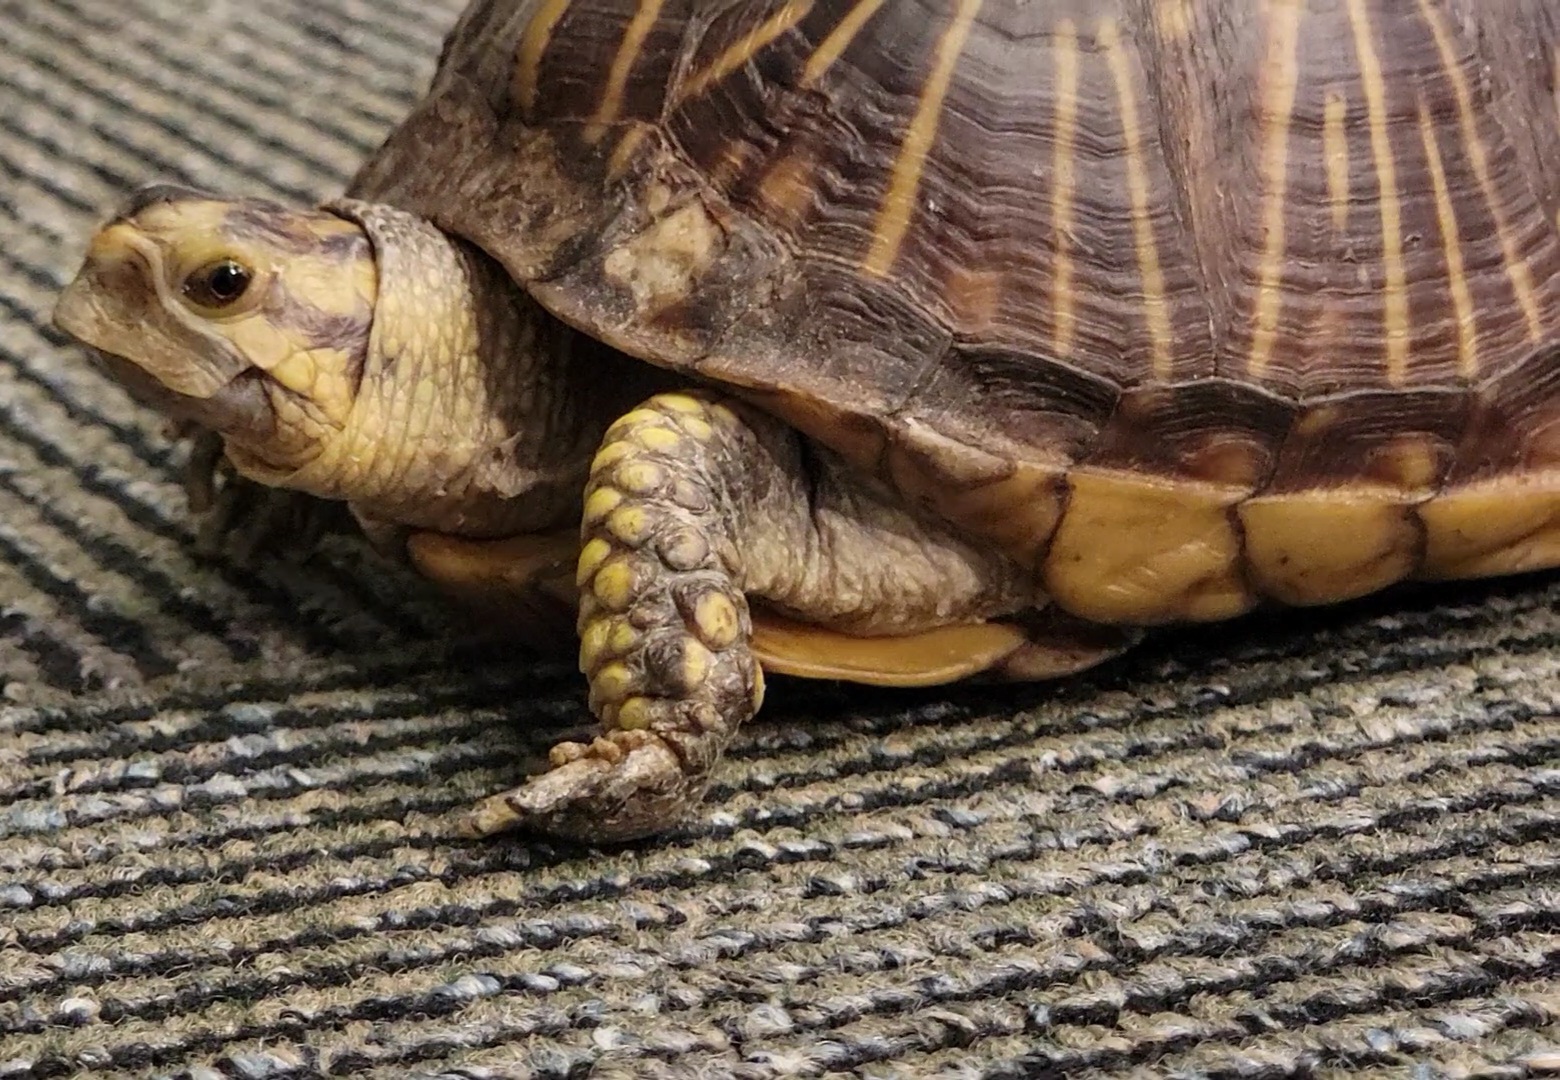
<point x="624" y="785"/>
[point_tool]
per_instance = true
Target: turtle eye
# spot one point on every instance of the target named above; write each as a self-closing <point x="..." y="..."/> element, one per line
<point x="219" y="284"/>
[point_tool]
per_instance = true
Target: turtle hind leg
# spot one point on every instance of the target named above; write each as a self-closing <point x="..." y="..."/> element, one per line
<point x="692" y="505"/>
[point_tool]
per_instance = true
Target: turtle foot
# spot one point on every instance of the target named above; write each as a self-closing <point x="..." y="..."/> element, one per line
<point x="623" y="785"/>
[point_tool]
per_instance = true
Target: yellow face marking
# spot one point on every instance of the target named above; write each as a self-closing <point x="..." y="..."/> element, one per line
<point x="1516" y="267"/>
<point x="1157" y="313"/>
<point x="839" y="40"/>
<point x="1451" y="243"/>
<point x="743" y="50"/>
<point x="1335" y="148"/>
<point x="617" y="78"/>
<point x="533" y="43"/>
<point x="1063" y="319"/>
<point x="1395" y="292"/>
<point x="899" y="201"/>
<point x="1278" y="108"/>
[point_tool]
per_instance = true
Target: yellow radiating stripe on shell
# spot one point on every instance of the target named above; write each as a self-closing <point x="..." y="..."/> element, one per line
<point x="633" y="42"/>
<point x="740" y="52"/>
<point x="533" y="43"/>
<point x="1451" y="242"/>
<point x="1062" y="181"/>
<point x="1395" y="292"/>
<point x="899" y="201"/>
<point x="1282" y="77"/>
<point x="1516" y="266"/>
<point x="839" y="39"/>
<point x="1156" y="313"/>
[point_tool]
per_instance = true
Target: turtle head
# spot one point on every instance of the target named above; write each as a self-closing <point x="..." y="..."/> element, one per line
<point x="243" y="316"/>
<point x="353" y="351"/>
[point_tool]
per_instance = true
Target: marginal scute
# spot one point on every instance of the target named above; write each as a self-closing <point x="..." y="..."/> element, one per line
<point x="1323" y="547"/>
<point x="1142" y="550"/>
<point x="1016" y="505"/>
<point x="1505" y="526"/>
<point x="1412" y="462"/>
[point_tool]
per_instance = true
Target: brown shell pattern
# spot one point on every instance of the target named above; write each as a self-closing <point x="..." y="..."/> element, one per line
<point x="1193" y="303"/>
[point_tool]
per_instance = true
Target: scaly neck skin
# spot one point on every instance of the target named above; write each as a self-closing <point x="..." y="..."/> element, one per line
<point x="477" y="413"/>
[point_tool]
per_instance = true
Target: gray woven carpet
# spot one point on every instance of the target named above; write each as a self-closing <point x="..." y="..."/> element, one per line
<point x="1318" y="845"/>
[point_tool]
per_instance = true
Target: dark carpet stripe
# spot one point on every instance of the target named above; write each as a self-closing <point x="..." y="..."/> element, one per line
<point x="49" y="86"/>
<point x="153" y="80"/>
<point x="1530" y="755"/>
<point x="325" y="637"/>
<point x="123" y="635"/>
<point x="57" y="662"/>
<point x="263" y="81"/>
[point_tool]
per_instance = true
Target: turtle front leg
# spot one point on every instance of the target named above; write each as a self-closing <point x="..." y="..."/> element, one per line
<point x="692" y="504"/>
<point x="663" y="626"/>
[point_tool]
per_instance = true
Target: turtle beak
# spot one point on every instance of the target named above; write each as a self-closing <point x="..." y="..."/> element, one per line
<point x="115" y="305"/>
<point x="78" y="312"/>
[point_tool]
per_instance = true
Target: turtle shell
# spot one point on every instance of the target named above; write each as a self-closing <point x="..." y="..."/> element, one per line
<point x="1193" y="305"/>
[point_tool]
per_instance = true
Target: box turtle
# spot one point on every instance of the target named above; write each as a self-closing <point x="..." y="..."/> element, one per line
<point x="893" y="342"/>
